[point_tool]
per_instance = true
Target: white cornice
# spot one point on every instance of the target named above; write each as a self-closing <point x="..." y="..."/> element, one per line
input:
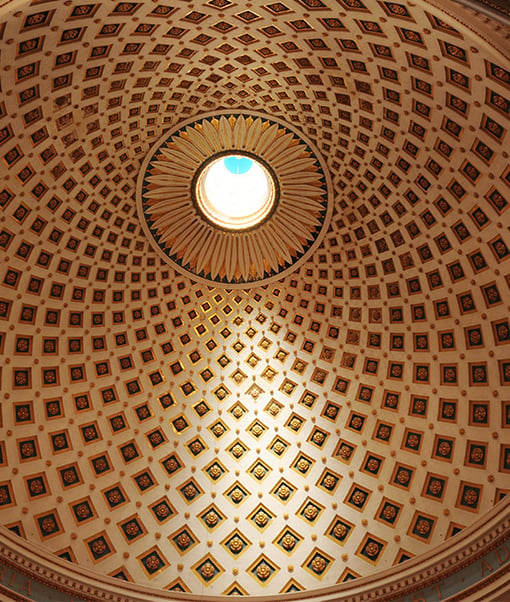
<point x="436" y="566"/>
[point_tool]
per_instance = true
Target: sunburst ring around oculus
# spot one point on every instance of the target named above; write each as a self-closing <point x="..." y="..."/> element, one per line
<point x="200" y="236"/>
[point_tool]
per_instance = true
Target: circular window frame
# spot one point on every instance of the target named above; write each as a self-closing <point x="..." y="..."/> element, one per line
<point x="269" y="208"/>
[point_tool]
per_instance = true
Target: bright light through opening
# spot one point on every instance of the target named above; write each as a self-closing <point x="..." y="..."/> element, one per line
<point x="235" y="192"/>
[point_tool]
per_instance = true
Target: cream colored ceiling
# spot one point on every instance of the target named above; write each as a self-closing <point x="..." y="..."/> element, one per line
<point x="289" y="437"/>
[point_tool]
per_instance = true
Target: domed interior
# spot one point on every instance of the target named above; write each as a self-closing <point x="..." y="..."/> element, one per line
<point x="319" y="428"/>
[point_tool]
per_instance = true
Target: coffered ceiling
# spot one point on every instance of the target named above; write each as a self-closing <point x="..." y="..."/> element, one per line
<point x="331" y="424"/>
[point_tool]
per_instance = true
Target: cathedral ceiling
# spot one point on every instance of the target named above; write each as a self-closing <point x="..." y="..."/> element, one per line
<point x="328" y="425"/>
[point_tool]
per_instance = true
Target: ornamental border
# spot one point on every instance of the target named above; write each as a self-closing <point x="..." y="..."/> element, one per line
<point x="414" y="575"/>
<point x="298" y="255"/>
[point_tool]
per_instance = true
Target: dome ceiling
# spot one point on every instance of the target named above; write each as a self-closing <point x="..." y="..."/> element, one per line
<point x="325" y="426"/>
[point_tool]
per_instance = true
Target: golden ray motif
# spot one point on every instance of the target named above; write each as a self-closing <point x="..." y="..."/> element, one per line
<point x="243" y="258"/>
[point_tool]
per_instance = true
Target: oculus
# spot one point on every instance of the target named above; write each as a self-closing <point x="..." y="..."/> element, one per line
<point x="235" y="192"/>
<point x="234" y="200"/>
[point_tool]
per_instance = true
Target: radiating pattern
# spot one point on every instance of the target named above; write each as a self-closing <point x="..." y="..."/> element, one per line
<point x="330" y="424"/>
<point x="283" y="241"/>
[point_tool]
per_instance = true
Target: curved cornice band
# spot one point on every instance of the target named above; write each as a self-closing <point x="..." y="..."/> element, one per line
<point x="439" y="565"/>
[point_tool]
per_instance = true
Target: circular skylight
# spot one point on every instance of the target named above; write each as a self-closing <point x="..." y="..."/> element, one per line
<point x="235" y="192"/>
<point x="234" y="200"/>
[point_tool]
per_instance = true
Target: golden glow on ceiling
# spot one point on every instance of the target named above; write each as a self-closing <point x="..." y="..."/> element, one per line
<point x="343" y="414"/>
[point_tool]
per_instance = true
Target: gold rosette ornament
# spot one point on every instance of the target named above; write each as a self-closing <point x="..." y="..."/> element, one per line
<point x="234" y="199"/>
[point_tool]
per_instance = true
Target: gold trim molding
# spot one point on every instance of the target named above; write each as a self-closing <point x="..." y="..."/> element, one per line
<point x="405" y="581"/>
